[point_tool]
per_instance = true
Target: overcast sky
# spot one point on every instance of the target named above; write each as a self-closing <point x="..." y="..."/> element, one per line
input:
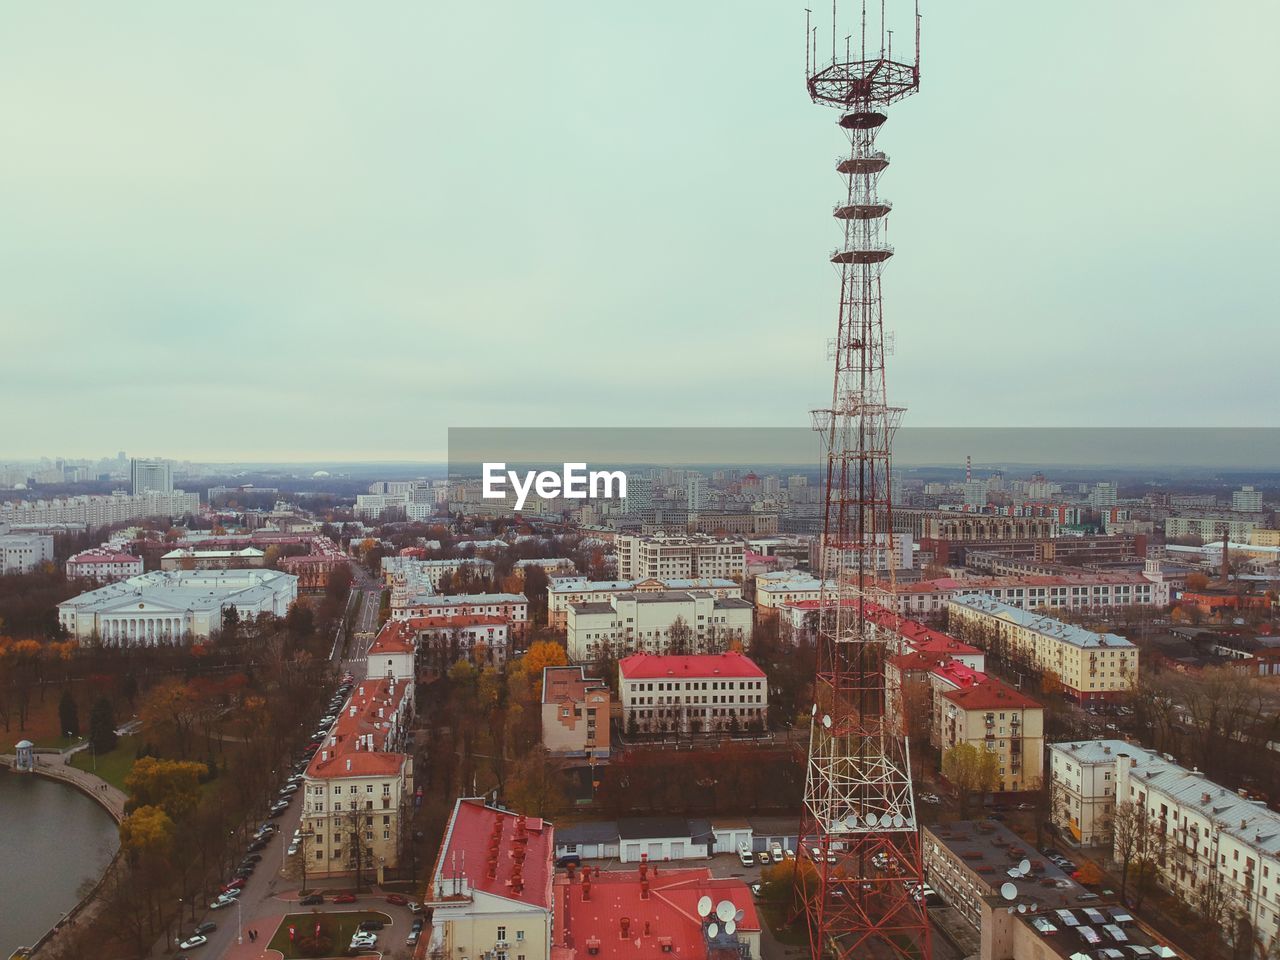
<point x="332" y="230"/>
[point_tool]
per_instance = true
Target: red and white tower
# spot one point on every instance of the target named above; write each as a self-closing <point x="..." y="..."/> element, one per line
<point x="859" y="821"/>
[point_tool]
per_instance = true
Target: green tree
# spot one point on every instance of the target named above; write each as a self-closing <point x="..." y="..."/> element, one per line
<point x="69" y="715"/>
<point x="102" y="726"/>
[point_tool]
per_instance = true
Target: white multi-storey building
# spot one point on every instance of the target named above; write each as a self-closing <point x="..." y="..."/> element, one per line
<point x="150" y="476"/>
<point x="103" y="565"/>
<point x="1083" y="791"/>
<point x="173" y="606"/>
<point x="24" y="552"/>
<point x="692" y="694"/>
<point x="563" y="592"/>
<point x="1213" y="527"/>
<point x="663" y="557"/>
<point x="511" y="607"/>
<point x="1246" y="500"/>
<point x="99" y="511"/>
<point x="1088" y="590"/>
<point x="658" y="622"/>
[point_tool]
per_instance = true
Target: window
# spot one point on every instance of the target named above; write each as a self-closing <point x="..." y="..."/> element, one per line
<point x="502" y="933"/>
<point x="519" y="936"/>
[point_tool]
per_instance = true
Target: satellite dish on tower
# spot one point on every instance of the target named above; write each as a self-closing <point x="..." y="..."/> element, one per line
<point x="1024" y="867"/>
<point x="899" y="820"/>
<point x="851" y="821"/>
<point x="814" y="711"/>
<point x="1022" y="908"/>
<point x="730" y="927"/>
<point x="725" y="911"/>
<point x="872" y="819"/>
<point x="704" y="907"/>
<point x="1008" y="891"/>
<point x="826" y="720"/>
<point x="713" y="931"/>
<point x="739" y="916"/>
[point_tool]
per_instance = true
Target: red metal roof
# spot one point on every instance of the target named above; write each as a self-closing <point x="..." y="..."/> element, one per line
<point x="650" y="666"/>
<point x="345" y="752"/>
<point x="396" y="636"/>
<point x="664" y="914"/>
<point x="495" y="851"/>
<point x="991" y="694"/>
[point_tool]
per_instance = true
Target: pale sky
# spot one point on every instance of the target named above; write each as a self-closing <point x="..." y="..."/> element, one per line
<point x="332" y="230"/>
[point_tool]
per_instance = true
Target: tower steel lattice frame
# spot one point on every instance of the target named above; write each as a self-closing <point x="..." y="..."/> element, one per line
<point x="858" y="825"/>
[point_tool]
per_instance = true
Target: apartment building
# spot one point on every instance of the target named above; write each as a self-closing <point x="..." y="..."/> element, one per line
<point x="575" y="712"/>
<point x="99" y="511"/>
<point x="563" y="592"/>
<point x="392" y="655"/>
<point x="103" y="565"/>
<point x="489" y="895"/>
<point x="889" y="552"/>
<point x="973" y="707"/>
<point x="972" y="526"/>
<point x="663" y="557"/>
<point x="511" y="607"/>
<point x="670" y="621"/>
<point x="358" y="786"/>
<point x="425" y="576"/>
<point x="1210" y="836"/>
<point x="186" y="559"/>
<point x="692" y="694"/>
<point x="442" y="641"/>
<point x="24" y="552"/>
<point x="1083" y="790"/>
<point x="150" y="476"/>
<point x="1086" y="591"/>
<point x="1208" y="526"/>
<point x="789" y="588"/>
<point x="1089" y="666"/>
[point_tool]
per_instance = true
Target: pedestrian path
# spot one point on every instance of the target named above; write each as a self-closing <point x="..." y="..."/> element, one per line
<point x="90" y="783"/>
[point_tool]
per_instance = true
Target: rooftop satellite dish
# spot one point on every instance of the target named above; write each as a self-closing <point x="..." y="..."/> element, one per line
<point x="725" y="911"/>
<point x="730" y="927"/>
<point x="713" y="931"/>
<point x="826" y="720"/>
<point x="1008" y="891"/>
<point x="704" y="907"/>
<point x="1024" y="867"/>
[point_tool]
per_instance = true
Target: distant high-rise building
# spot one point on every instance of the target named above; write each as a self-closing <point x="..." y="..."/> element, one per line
<point x="696" y="490"/>
<point x="1246" y="500"/>
<point x="150" y="476"/>
<point x="1103" y="495"/>
<point x="975" y="493"/>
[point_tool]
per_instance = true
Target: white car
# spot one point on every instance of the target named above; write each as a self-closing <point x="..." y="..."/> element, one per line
<point x="363" y="940"/>
<point x="192" y="942"/>
<point x="222" y="901"/>
<point x="745" y="857"/>
<point x="930" y="798"/>
<point x="776" y="853"/>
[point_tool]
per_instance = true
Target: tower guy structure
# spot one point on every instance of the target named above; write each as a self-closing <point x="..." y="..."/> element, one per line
<point x="859" y="824"/>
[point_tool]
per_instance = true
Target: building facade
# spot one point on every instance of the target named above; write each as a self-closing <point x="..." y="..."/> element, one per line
<point x="575" y="712"/>
<point x="1082" y="790"/>
<point x="672" y="621"/>
<point x="692" y="694"/>
<point x="563" y="592"/>
<point x="103" y="565"/>
<point x="358" y="785"/>
<point x="24" y="552"/>
<point x="663" y="557"/>
<point x="1089" y="666"/>
<point x="172" y="607"/>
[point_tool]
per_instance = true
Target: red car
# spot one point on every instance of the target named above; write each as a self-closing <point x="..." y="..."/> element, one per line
<point x="344" y="898"/>
<point x="399" y="901"/>
<point x="235" y="884"/>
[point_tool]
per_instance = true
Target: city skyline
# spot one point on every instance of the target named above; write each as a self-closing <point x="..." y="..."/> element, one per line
<point x="322" y="231"/>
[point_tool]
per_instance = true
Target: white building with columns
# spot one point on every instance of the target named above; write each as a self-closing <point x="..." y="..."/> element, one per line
<point x="175" y="606"/>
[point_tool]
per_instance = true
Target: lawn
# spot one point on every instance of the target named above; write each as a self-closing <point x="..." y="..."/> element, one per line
<point x="114" y="766"/>
<point x="338" y="926"/>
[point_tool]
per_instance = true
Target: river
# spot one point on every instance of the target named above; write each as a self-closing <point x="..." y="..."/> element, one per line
<point x="53" y="839"/>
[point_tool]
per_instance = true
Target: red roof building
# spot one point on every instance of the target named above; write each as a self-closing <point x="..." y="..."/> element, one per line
<point x="654" y="666"/>
<point x="692" y="694"/>
<point x="648" y="912"/>
<point x="490" y="888"/>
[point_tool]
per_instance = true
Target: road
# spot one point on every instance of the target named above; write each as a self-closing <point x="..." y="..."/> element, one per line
<point x="269" y="895"/>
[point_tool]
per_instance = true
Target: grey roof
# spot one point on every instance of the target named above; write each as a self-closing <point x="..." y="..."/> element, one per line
<point x="594" y="607"/>
<point x="183" y="590"/>
<point x="1100" y="751"/>
<point x="732" y="603"/>
<point x="1046" y="626"/>
<point x="589" y="831"/>
<point x="646" y="828"/>
<point x="990" y="844"/>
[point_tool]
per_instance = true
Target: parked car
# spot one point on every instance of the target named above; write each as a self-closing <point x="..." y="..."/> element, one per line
<point x="258" y="843"/>
<point x="415" y="908"/>
<point x="207" y="927"/>
<point x="235" y="884"/>
<point x="344" y="898"/>
<point x="363" y="941"/>
<point x="775" y="852"/>
<point x="762" y="858"/>
<point x="930" y="798"/>
<point x="412" y="938"/>
<point x="789" y="854"/>
<point x="311" y="900"/>
<point x="755" y="890"/>
<point x="569" y="858"/>
<point x="192" y="942"/>
<point x="745" y="856"/>
<point x="368" y="925"/>
<point x="397" y="900"/>
<point x="222" y="900"/>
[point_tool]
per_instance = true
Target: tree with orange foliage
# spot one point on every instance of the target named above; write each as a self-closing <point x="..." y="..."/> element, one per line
<point x="543" y="653"/>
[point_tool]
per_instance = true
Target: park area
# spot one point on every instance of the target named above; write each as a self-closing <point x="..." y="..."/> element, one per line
<point x="334" y="937"/>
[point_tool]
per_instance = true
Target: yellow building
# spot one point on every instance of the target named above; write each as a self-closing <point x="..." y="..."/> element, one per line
<point x="1090" y="666"/>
